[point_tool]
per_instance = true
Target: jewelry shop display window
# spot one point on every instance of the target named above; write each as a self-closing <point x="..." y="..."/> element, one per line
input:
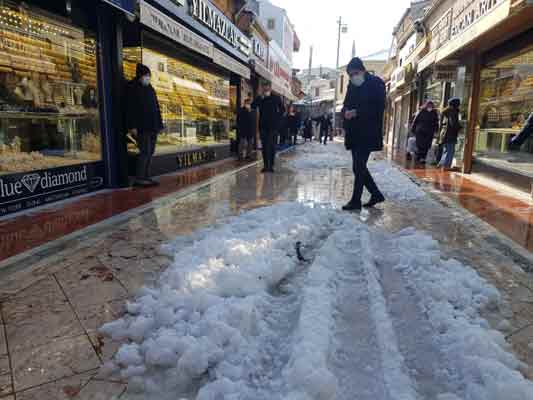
<point x="196" y="102"/>
<point x="48" y="91"/>
<point x="506" y="103"/>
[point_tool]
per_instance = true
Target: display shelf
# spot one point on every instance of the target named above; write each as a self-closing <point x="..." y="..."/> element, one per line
<point x="44" y="115"/>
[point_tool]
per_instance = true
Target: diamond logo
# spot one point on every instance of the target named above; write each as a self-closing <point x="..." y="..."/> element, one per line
<point x="31" y="181"/>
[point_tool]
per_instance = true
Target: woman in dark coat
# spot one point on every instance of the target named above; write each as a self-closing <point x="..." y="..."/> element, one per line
<point x="425" y="126"/>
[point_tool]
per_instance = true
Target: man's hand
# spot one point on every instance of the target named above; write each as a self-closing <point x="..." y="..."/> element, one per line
<point x="350" y="114"/>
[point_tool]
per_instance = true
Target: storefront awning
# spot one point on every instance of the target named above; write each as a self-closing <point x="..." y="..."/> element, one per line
<point x="476" y="30"/>
<point x="427" y="61"/>
<point x="128" y="6"/>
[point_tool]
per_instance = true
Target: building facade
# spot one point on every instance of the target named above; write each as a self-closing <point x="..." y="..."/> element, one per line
<point x="64" y="68"/>
<point x="481" y="52"/>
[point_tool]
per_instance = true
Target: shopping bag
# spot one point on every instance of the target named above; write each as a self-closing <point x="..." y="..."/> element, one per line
<point x="411" y="145"/>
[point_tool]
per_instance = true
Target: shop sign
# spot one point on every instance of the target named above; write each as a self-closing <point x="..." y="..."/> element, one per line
<point x="194" y="158"/>
<point x="468" y="12"/>
<point x="445" y="74"/>
<point x="211" y="17"/>
<point x="231" y="64"/>
<point x="22" y="191"/>
<point x="155" y="19"/>
<point x="440" y="33"/>
<point x="125" y="5"/>
<point x="471" y="19"/>
<point x="260" y="49"/>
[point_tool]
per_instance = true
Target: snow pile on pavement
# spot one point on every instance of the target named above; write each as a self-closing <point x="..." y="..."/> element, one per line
<point x="201" y="324"/>
<point x="201" y="333"/>
<point x="477" y="363"/>
<point x="394" y="183"/>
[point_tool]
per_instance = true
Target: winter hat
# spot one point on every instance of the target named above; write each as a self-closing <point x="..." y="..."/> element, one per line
<point x="454" y="102"/>
<point x="143" y="70"/>
<point x="356" y="64"/>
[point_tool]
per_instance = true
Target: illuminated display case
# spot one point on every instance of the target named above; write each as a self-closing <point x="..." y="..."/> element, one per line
<point x="198" y="106"/>
<point x="48" y="91"/>
<point x="506" y="101"/>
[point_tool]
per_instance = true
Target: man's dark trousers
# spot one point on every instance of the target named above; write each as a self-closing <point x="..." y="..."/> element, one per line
<point x="362" y="176"/>
<point x="268" y="141"/>
<point x="146" y="142"/>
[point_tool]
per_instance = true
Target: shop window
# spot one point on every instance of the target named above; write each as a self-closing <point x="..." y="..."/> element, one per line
<point x="48" y="92"/>
<point x="506" y="103"/>
<point x="271" y="24"/>
<point x="197" y="105"/>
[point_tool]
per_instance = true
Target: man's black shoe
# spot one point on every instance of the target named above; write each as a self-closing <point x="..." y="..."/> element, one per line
<point x="352" y="207"/>
<point x="373" y="201"/>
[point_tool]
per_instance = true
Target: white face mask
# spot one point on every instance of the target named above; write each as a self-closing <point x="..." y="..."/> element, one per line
<point x="430" y="109"/>
<point x="267" y="94"/>
<point x="145" y="80"/>
<point x="357" y="80"/>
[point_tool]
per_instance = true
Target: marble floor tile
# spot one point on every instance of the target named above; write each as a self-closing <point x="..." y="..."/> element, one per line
<point x="90" y="282"/>
<point x="100" y="390"/>
<point x="63" y="389"/>
<point x="53" y="361"/>
<point x="38" y="315"/>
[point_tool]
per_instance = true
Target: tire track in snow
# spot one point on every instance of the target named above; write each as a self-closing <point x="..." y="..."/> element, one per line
<point x="422" y="357"/>
<point x="397" y="381"/>
<point x="355" y="357"/>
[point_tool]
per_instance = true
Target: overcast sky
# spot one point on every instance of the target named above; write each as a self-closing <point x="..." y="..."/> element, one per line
<point x="370" y="24"/>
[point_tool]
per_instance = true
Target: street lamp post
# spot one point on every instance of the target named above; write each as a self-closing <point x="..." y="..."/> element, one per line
<point x="343" y="28"/>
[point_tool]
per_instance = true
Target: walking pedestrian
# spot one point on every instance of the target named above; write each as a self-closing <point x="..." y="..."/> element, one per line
<point x="363" y="111"/>
<point x="144" y="122"/>
<point x="325" y="128"/>
<point x="270" y="112"/>
<point x="308" y="130"/>
<point x="449" y="133"/>
<point x="245" y="130"/>
<point x="293" y="123"/>
<point x="424" y="127"/>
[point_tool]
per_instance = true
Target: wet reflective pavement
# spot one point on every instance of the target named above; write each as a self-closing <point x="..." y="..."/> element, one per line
<point x="53" y="304"/>
<point x="41" y="226"/>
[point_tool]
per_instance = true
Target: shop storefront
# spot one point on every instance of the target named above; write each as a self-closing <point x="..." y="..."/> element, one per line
<point x="484" y="50"/>
<point x="505" y="105"/>
<point x="197" y="82"/>
<point x="52" y="124"/>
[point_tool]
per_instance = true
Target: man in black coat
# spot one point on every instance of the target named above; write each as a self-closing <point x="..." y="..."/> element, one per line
<point x="245" y="130"/>
<point x="270" y="112"/>
<point x="363" y="111"/>
<point x="144" y="121"/>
